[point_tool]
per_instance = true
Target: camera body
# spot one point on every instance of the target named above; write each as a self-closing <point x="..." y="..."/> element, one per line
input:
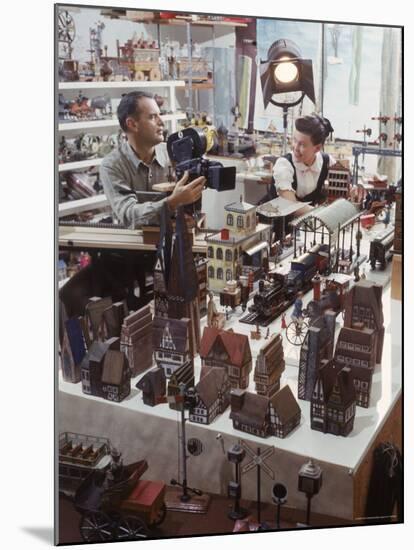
<point x="186" y="149"/>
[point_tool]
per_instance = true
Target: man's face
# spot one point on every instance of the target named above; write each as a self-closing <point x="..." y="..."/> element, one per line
<point x="147" y="125"/>
<point x="303" y="148"/>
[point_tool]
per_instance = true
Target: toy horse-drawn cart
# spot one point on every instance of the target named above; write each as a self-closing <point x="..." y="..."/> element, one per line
<point x="119" y="506"/>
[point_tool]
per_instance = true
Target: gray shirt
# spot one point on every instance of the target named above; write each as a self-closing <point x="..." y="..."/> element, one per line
<point x="123" y="174"/>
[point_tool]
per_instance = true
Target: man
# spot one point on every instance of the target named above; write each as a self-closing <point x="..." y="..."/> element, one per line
<point x="140" y="162"/>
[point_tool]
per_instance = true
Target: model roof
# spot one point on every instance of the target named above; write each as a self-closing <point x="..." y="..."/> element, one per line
<point x="210" y="385"/>
<point x="366" y="294"/>
<point x="253" y="411"/>
<point x="176" y="328"/>
<point x="356" y="336"/>
<point x="285" y="404"/>
<point x="337" y="380"/>
<point x="241" y="207"/>
<point x="235" y="344"/>
<point x="113" y="368"/>
<point x="153" y="381"/>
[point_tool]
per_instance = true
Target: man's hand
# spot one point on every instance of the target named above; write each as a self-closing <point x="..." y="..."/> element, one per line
<point x="186" y="193"/>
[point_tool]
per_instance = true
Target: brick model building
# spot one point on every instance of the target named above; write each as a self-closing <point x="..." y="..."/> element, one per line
<point x="363" y="308"/>
<point x="229" y="350"/>
<point x="333" y="400"/>
<point x="355" y="348"/>
<point x="339" y="180"/>
<point x="270" y="364"/>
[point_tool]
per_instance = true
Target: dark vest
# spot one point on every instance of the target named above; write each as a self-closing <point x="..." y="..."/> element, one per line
<point x="315" y="197"/>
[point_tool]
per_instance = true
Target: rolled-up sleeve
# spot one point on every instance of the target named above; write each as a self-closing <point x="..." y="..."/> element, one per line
<point x="123" y="200"/>
<point x="283" y="175"/>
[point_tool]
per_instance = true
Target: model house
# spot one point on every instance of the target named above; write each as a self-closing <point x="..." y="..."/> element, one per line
<point x="213" y="395"/>
<point x="171" y="344"/>
<point x="230" y="351"/>
<point x="136" y="339"/>
<point x="270" y="364"/>
<point x="116" y="376"/>
<point x="333" y="400"/>
<point x="363" y="308"/>
<point x="339" y="180"/>
<point x="153" y="386"/>
<point x="263" y="416"/>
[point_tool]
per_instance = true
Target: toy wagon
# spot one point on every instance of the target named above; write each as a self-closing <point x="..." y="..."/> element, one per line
<point x="123" y="507"/>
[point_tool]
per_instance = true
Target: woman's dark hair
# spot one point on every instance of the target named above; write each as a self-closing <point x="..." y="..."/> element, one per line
<point x="315" y="126"/>
<point x="129" y="106"/>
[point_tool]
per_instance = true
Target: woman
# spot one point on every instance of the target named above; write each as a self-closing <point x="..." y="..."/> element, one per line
<point x="301" y="174"/>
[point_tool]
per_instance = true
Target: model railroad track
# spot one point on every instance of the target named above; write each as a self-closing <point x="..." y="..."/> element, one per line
<point x="255" y="318"/>
<point x="101" y="225"/>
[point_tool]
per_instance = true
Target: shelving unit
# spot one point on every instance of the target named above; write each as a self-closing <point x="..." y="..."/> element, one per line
<point x="110" y="123"/>
<point x="79" y="165"/>
<point x="82" y="205"/>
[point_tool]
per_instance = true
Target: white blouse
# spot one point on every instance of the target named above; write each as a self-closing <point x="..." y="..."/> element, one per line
<point x="306" y="176"/>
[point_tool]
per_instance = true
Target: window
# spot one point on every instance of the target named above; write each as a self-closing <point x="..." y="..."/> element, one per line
<point x="364" y="363"/>
<point x="210" y="252"/>
<point x="357" y="347"/>
<point x="365" y="348"/>
<point x="356" y="383"/>
<point x="229" y="219"/>
<point x="219" y="273"/>
<point x="228" y="274"/>
<point x="240" y="221"/>
<point x="364" y="385"/>
<point x="356" y="362"/>
<point x="219" y="253"/>
<point x="211" y="272"/>
<point x="228" y="255"/>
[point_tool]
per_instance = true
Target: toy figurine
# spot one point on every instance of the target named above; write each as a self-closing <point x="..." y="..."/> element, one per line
<point x="214" y="318"/>
<point x="297" y="313"/>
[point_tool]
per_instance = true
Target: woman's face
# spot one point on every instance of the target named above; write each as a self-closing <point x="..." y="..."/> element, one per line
<point x="303" y="148"/>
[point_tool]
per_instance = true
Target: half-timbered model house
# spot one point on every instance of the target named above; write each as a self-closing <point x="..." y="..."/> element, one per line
<point x="116" y="376"/>
<point x="356" y="349"/>
<point x="176" y="281"/>
<point x="229" y="350"/>
<point x="182" y="376"/>
<point x="339" y="180"/>
<point x="240" y="235"/>
<point x="363" y="307"/>
<point x="264" y="416"/>
<point x="94" y="316"/>
<point x="153" y="386"/>
<point x="213" y="395"/>
<point x="333" y="400"/>
<point x="92" y="366"/>
<point x="136" y="340"/>
<point x="270" y="364"/>
<point x="171" y="344"/>
<point x="317" y="345"/>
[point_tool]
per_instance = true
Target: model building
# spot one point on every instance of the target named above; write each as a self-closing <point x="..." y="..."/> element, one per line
<point x="183" y="375"/>
<point x="363" y="307"/>
<point x="116" y="376"/>
<point x="73" y="350"/>
<point x="264" y="416"/>
<point x="171" y="344"/>
<point x="94" y="311"/>
<point x="317" y="346"/>
<point x="355" y="348"/>
<point x="230" y="351"/>
<point x="201" y="267"/>
<point x="333" y="400"/>
<point x="240" y="235"/>
<point x="153" y="386"/>
<point x="339" y="180"/>
<point x="176" y="282"/>
<point x="270" y="364"/>
<point x="136" y="340"/>
<point x="113" y="317"/>
<point x="213" y="395"/>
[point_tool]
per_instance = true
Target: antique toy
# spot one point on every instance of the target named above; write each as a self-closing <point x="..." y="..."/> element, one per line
<point x="279" y="497"/>
<point x="364" y="305"/>
<point x="310" y="483"/>
<point x="201" y="268"/>
<point x="333" y="400"/>
<point x="121" y="508"/>
<point x="116" y="376"/>
<point x="153" y="386"/>
<point x="175" y="277"/>
<point x="73" y="350"/>
<point x="228" y="350"/>
<point x="236" y="455"/>
<point x="231" y="296"/>
<point x="355" y="348"/>
<point x="113" y="317"/>
<point x="94" y="311"/>
<point x="171" y="344"/>
<point x="214" y="318"/>
<point x="264" y="416"/>
<point x="79" y="455"/>
<point x="339" y="180"/>
<point x="271" y="299"/>
<point x="239" y="239"/>
<point x="317" y="346"/>
<point x="270" y="365"/>
<point x="183" y="377"/>
<point x="380" y="248"/>
<point x="213" y="395"/>
<point x="136" y="339"/>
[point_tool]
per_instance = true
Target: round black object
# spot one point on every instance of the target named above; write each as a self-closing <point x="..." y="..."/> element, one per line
<point x="194" y="446"/>
<point x="283" y="48"/>
<point x="186" y="144"/>
<point x="279" y="493"/>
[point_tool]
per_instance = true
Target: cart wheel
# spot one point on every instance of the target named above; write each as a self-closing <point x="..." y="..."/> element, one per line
<point x="295" y="332"/>
<point x="95" y="527"/>
<point x="131" y="528"/>
<point x="155" y="74"/>
<point x="160" y="517"/>
<point x="139" y="75"/>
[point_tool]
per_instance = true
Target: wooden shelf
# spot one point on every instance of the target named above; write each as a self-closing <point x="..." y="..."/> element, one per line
<point x="121" y="85"/>
<point x="107" y="123"/>
<point x="82" y="205"/>
<point x="78" y="165"/>
<point x="198" y="86"/>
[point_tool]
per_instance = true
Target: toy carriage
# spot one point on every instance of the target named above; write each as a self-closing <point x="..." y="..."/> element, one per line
<point x="120" y="506"/>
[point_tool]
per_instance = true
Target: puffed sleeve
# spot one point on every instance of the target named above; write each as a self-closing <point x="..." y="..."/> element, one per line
<point x="283" y="175"/>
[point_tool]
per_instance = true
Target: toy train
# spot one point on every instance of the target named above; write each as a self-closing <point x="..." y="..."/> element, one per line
<point x="273" y="298"/>
<point x="380" y="248"/>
